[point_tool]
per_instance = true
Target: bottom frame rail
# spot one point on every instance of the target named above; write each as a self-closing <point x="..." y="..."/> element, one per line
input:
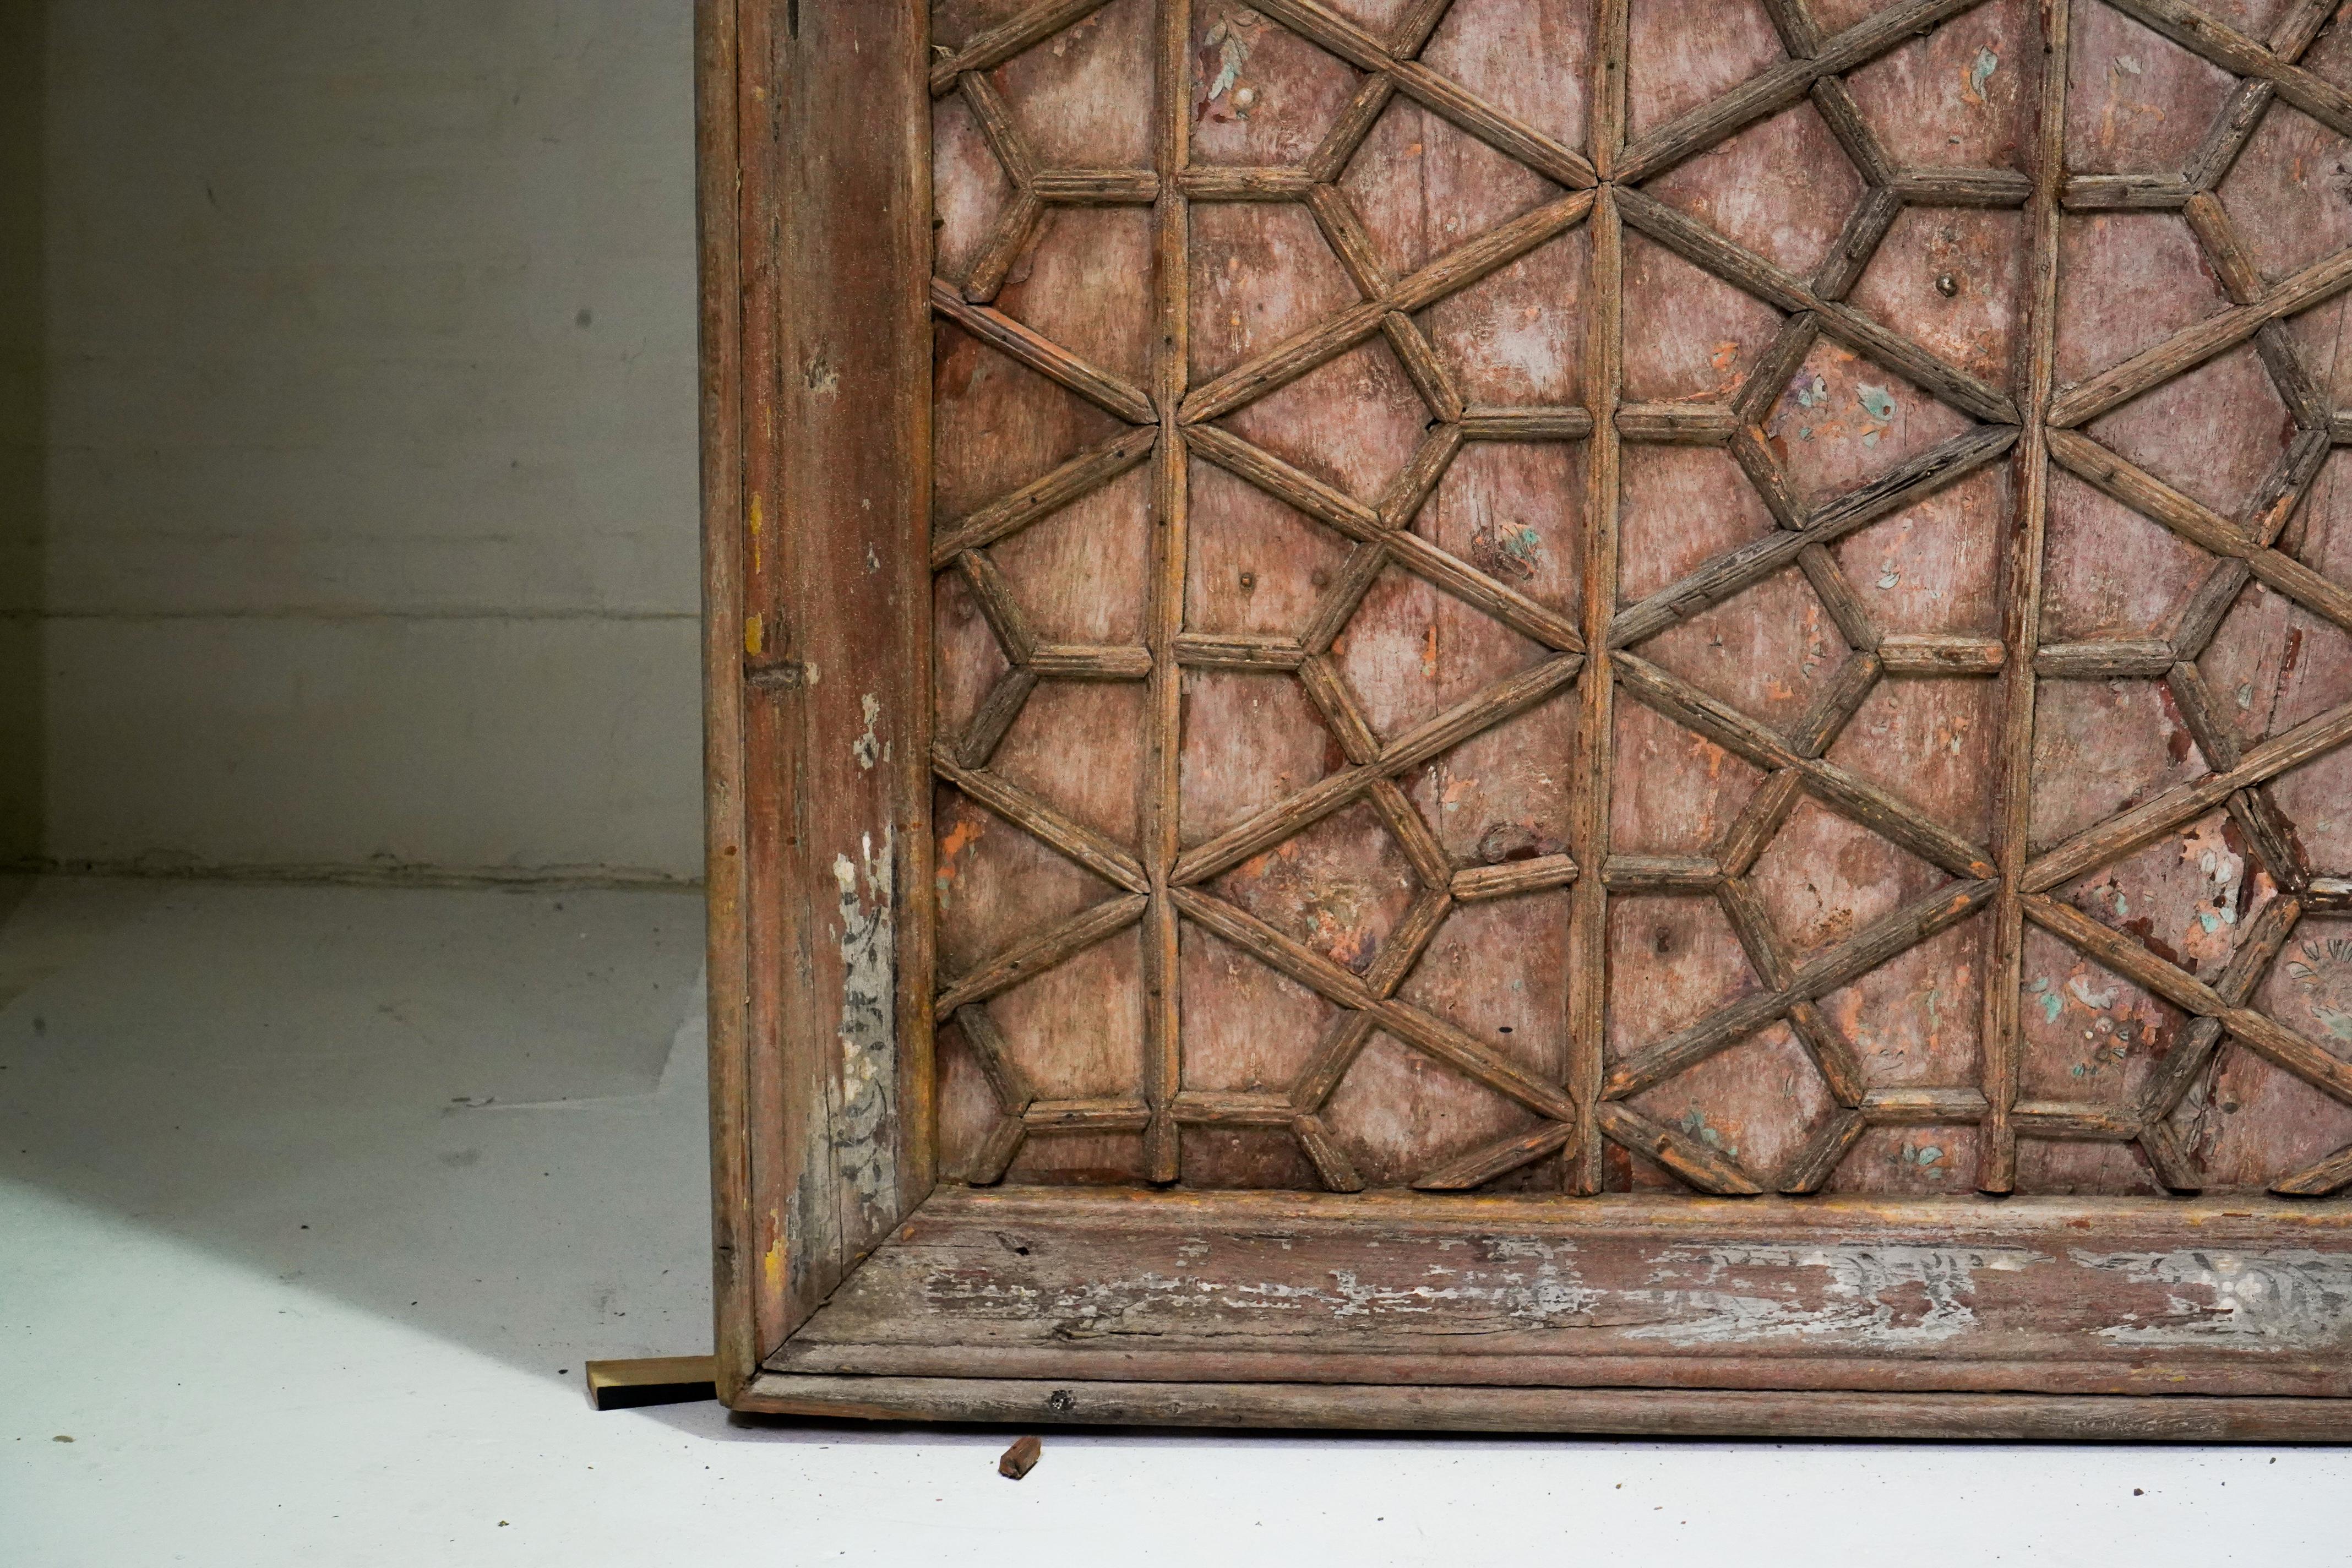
<point x="1656" y="1413"/>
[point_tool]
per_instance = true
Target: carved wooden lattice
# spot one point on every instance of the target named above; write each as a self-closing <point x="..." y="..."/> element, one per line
<point x="1577" y="595"/>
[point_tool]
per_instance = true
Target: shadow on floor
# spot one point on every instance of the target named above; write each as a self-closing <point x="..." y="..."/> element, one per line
<point x="478" y="1113"/>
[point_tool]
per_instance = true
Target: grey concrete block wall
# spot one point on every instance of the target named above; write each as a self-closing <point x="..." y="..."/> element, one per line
<point x="358" y="525"/>
<point x="22" y="441"/>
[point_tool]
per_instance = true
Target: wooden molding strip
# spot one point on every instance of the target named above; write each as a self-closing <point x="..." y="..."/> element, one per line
<point x="992" y="47"/>
<point x="2120" y="835"/>
<point x="2193" y="345"/>
<point x="1848" y="960"/>
<point x="1039" y="954"/>
<point x="1042" y="354"/>
<point x="1633" y="1413"/>
<point x="1778" y="87"/>
<point x="1074" y="840"/>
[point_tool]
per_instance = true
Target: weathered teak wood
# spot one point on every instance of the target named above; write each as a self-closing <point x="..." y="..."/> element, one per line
<point x="1547" y="714"/>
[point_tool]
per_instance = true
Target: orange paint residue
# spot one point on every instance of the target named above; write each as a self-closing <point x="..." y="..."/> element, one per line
<point x="1848" y="1018"/>
<point x="1257" y="865"/>
<point x="955" y="841"/>
<point x="1725" y="362"/>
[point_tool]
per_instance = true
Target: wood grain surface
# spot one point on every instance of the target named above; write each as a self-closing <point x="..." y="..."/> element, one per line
<point x="1710" y="351"/>
<point x="1561" y="602"/>
<point x="1642" y="1413"/>
<point x="2167" y="1295"/>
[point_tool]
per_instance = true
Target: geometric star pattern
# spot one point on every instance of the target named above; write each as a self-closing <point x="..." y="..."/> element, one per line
<point x="2257" y="545"/>
<point x="1176" y="527"/>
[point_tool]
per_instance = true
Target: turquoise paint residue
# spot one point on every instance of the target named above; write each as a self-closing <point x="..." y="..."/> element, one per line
<point x="1695" y="1124"/>
<point x="1980" y="72"/>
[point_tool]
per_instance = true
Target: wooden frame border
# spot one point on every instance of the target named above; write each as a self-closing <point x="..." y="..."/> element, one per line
<point x="812" y="147"/>
<point x="1611" y="1411"/>
<point x="812" y="141"/>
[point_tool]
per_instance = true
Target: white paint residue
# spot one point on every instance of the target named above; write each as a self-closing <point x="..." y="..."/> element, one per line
<point x="1551" y="1295"/>
<point x="868" y="748"/>
<point x="1875" y="1297"/>
<point x="1860" y="1276"/>
<point x="2260" y="1300"/>
<point x="1131" y="1305"/>
<point x="867" y="1032"/>
<point x="1534" y="347"/>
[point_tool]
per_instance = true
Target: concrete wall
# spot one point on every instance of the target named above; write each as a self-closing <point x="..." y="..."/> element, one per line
<point x="357" y="523"/>
<point x="22" y="441"/>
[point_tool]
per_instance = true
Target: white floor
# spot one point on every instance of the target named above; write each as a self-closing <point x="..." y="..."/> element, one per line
<point x="312" y="1200"/>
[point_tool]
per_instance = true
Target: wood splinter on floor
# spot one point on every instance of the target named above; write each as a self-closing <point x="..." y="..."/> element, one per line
<point x="640" y="1381"/>
<point x="1020" y="1458"/>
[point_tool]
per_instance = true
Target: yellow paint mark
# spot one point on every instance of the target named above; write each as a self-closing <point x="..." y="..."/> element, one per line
<point x="751" y="524"/>
<point x="755" y="635"/>
<point x="772" y="1265"/>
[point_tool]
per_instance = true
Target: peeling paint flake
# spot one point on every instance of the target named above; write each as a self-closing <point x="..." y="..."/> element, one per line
<point x="1861" y="1279"/>
<point x="1980" y="71"/>
<point x="2257" y="1300"/>
<point x="1548" y="1295"/>
<point x="868" y="748"/>
<point x="1232" y="55"/>
<point x="867" y="1031"/>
